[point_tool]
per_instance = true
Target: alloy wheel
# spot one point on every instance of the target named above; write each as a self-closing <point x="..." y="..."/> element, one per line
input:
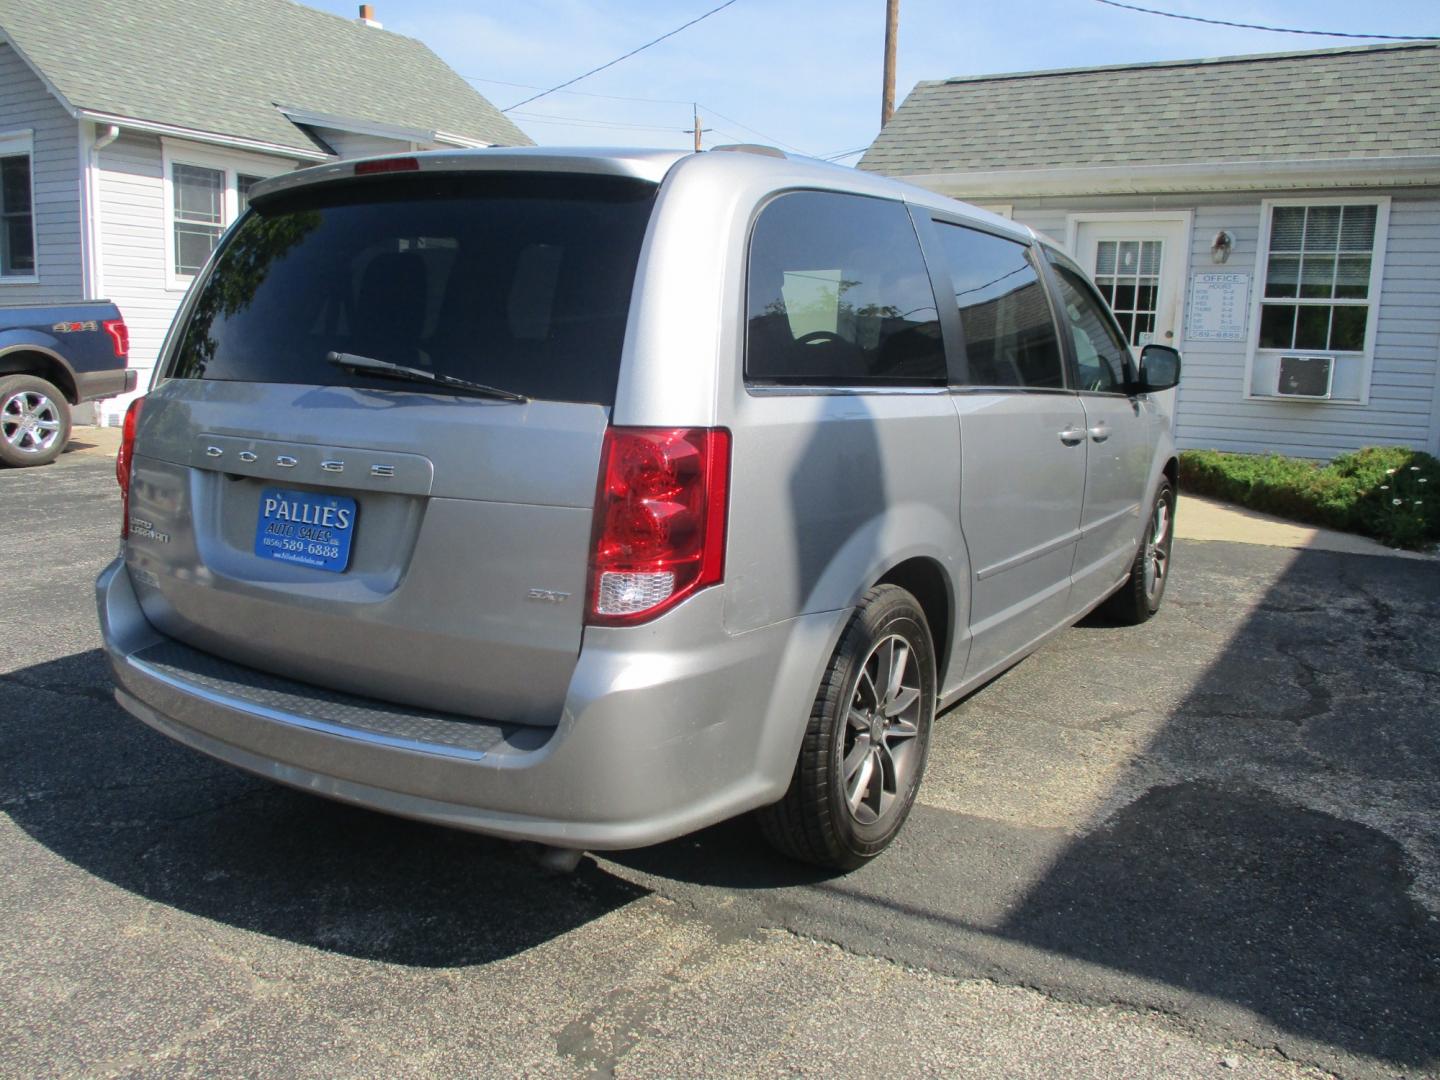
<point x="30" y="422"/>
<point x="879" y="753"/>
<point x="1157" y="548"/>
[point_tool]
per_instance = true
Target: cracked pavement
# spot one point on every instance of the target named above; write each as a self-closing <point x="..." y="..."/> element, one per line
<point x="1206" y="847"/>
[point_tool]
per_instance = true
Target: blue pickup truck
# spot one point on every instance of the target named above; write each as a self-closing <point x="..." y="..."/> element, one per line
<point x="52" y="358"/>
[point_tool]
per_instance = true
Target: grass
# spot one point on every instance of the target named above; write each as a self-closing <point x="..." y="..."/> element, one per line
<point x="1380" y="491"/>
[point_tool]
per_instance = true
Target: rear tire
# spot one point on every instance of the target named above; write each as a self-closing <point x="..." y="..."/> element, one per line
<point x="864" y="750"/>
<point x="1140" y="596"/>
<point x="34" y="421"/>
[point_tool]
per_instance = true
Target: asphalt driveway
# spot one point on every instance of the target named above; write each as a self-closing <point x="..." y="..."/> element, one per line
<point x="1207" y="847"/>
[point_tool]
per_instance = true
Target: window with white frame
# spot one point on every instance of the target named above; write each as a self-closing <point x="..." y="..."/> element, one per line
<point x="1319" y="287"/>
<point x="17" y="217"/>
<point x="199" y="214"/>
<point x="206" y="191"/>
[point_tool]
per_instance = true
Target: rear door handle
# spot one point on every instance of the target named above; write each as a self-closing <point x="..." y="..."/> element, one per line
<point x="1099" y="433"/>
<point x="1072" y="436"/>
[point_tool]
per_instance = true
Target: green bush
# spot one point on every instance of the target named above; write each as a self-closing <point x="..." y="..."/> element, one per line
<point x="1380" y="491"/>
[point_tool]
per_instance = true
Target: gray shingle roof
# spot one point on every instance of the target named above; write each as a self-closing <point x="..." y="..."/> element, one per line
<point x="222" y="66"/>
<point x="1369" y="101"/>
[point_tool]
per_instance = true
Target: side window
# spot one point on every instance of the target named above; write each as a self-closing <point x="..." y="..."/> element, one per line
<point x="199" y="214"/>
<point x="838" y="295"/>
<point x="1009" y="332"/>
<point x="17" y="221"/>
<point x="1100" y="354"/>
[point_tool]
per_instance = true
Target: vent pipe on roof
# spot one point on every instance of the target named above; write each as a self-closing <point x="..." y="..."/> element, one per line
<point x="367" y="17"/>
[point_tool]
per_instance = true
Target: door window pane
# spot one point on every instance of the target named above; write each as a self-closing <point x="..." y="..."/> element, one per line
<point x="199" y="214"/>
<point x="839" y="295"/>
<point x="1009" y="331"/>
<point x="1100" y="356"/>
<point x="17" y="223"/>
<point x="1127" y="273"/>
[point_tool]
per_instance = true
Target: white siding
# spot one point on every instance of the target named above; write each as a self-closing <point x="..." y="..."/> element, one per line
<point x="25" y="104"/>
<point x="131" y="203"/>
<point x="1212" y="411"/>
<point x="134" y="248"/>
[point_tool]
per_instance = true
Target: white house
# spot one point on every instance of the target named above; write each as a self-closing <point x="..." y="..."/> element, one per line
<point x="1275" y="216"/>
<point x="130" y="134"/>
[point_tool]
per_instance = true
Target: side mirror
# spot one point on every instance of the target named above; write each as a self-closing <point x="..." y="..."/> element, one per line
<point x="1159" y="368"/>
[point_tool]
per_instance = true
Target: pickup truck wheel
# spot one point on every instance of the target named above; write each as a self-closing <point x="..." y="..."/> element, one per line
<point x="34" y="421"/>
<point x="864" y="750"/>
<point x="1140" y="596"/>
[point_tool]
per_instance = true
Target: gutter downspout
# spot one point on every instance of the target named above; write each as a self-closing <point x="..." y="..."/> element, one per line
<point x="99" y="137"/>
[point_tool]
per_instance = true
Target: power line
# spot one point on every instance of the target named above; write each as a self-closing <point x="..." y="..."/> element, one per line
<point x="612" y="63"/>
<point x="846" y="153"/>
<point x="1271" y="29"/>
<point x="613" y="127"/>
<point x="577" y="93"/>
<point x="580" y="121"/>
<point x="656" y="100"/>
<point x="747" y="127"/>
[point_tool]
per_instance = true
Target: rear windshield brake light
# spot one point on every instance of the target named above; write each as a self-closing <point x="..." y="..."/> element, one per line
<point x="387" y="165"/>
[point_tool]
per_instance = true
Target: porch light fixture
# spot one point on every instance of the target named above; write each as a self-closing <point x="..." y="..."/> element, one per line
<point x="1220" y="247"/>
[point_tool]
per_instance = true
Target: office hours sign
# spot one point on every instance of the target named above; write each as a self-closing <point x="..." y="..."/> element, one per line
<point x="1219" y="307"/>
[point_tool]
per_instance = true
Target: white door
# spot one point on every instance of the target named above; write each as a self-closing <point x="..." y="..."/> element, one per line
<point x="1139" y="266"/>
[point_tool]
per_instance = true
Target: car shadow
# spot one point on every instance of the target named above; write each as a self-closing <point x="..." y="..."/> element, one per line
<point x="101" y="790"/>
<point x="1242" y="881"/>
<point x="1249" y="886"/>
<point x="1253" y="886"/>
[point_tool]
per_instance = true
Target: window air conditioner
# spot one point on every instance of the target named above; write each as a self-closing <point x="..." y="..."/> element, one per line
<point x="1304" y="376"/>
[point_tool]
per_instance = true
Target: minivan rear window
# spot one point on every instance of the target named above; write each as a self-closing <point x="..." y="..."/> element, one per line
<point x="519" y="281"/>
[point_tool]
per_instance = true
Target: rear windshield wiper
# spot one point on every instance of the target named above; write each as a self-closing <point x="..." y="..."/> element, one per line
<point x="354" y="362"/>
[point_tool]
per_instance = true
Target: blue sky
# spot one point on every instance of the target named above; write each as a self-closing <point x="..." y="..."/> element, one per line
<point x="805" y="74"/>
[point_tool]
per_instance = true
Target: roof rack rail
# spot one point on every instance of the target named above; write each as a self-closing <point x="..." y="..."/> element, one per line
<point x="752" y="148"/>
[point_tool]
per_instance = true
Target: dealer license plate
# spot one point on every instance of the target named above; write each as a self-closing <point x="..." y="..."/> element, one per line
<point x="306" y="528"/>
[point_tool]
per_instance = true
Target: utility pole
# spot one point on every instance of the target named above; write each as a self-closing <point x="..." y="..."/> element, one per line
<point x="696" y="129"/>
<point x="892" y="34"/>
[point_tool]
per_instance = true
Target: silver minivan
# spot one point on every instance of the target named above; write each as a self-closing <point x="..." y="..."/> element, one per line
<point x="592" y="497"/>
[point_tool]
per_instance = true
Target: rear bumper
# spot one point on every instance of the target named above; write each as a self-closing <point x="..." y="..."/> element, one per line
<point x="665" y="729"/>
<point x="93" y="385"/>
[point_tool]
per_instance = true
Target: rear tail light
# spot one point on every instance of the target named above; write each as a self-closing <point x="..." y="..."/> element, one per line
<point x="659" y="521"/>
<point x="119" y="335"/>
<point x="125" y="460"/>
